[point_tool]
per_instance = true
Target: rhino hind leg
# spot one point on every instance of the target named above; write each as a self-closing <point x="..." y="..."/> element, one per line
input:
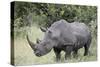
<point x="86" y="47"/>
<point x="57" y="53"/>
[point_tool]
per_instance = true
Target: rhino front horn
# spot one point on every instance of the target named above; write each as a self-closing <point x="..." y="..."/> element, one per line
<point x="32" y="45"/>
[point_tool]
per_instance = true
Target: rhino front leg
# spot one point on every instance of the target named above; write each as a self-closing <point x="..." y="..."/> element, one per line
<point x="75" y="53"/>
<point x="57" y="53"/>
<point x="68" y="52"/>
<point x="67" y="55"/>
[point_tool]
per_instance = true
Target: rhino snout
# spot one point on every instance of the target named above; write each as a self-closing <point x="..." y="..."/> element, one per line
<point x="38" y="54"/>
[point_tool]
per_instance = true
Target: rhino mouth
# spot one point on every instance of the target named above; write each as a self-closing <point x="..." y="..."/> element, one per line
<point x="38" y="54"/>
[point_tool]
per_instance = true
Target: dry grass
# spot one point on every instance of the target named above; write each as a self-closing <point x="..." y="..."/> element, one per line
<point x="25" y="56"/>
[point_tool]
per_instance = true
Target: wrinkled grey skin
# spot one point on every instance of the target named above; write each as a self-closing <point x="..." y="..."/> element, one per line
<point x="65" y="36"/>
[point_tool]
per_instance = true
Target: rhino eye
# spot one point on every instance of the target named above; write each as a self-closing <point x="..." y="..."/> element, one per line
<point x="44" y="44"/>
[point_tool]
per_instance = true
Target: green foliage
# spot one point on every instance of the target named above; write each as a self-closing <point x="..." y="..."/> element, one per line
<point x="45" y="13"/>
<point x="93" y="28"/>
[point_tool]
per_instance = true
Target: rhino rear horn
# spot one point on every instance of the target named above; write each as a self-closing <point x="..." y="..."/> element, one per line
<point x="38" y="41"/>
<point x="32" y="45"/>
<point x="43" y="29"/>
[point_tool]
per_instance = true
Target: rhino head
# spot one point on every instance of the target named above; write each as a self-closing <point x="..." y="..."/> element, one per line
<point x="42" y="47"/>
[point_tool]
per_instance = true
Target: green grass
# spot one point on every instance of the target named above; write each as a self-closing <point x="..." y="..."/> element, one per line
<point x="25" y="56"/>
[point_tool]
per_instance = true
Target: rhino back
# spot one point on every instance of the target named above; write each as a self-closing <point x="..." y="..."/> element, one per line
<point x="71" y="32"/>
<point x="81" y="31"/>
<point x="65" y="30"/>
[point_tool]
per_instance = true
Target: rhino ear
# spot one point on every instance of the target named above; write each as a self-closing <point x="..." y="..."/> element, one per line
<point x="38" y="41"/>
<point x="43" y="29"/>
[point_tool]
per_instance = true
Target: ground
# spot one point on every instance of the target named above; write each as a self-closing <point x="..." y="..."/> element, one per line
<point x="25" y="56"/>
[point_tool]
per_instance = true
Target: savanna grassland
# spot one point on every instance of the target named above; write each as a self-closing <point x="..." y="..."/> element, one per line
<point x="24" y="55"/>
<point x="27" y="18"/>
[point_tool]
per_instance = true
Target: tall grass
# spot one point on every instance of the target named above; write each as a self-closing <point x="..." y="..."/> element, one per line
<point x="25" y="56"/>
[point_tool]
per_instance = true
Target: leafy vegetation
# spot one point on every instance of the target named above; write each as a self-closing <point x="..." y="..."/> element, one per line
<point x="28" y="17"/>
<point x="28" y="13"/>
